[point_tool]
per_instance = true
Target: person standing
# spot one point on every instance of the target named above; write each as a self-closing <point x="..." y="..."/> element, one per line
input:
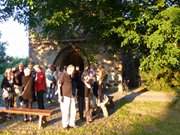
<point x="27" y="92"/>
<point x="67" y="102"/>
<point x="50" y="81"/>
<point x="79" y="89"/>
<point x="102" y="98"/>
<point x="87" y="80"/>
<point x="40" y="86"/>
<point x="75" y="81"/>
<point x="33" y="76"/>
<point x="8" y="89"/>
<point x="18" y="76"/>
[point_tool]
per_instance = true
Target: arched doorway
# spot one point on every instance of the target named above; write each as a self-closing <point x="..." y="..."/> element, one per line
<point x="70" y="55"/>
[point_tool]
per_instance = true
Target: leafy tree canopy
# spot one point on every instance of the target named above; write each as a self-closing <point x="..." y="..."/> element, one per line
<point x="7" y="61"/>
<point x="2" y="51"/>
<point x="149" y="29"/>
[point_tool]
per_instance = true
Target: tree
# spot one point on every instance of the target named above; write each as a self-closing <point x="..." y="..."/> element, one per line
<point x="148" y="30"/>
<point x="7" y="61"/>
<point x="2" y="55"/>
<point x="162" y="41"/>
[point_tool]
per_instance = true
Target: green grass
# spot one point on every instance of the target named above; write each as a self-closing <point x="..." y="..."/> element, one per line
<point x="134" y="118"/>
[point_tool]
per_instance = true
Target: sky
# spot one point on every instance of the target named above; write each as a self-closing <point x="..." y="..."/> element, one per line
<point x="16" y="37"/>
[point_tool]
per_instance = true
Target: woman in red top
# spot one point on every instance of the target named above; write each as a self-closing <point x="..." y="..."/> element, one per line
<point x="40" y="86"/>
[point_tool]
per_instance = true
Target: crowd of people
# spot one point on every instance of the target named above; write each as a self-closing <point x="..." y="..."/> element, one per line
<point x="76" y="89"/>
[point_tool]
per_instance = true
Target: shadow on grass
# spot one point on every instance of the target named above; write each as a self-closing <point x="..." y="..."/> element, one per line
<point x="125" y="100"/>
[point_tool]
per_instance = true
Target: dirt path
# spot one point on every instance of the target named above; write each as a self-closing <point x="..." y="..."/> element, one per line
<point x="142" y="94"/>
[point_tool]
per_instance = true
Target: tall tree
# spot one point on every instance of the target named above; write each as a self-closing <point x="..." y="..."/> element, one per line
<point x="2" y="55"/>
<point x="146" y="29"/>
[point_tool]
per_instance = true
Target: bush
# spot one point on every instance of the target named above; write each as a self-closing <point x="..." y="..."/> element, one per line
<point x="166" y="81"/>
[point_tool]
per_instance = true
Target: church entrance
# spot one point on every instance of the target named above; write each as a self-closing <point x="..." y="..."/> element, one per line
<point x="70" y="55"/>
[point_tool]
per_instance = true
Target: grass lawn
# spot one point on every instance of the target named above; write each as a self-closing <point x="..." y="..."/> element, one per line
<point x="130" y="118"/>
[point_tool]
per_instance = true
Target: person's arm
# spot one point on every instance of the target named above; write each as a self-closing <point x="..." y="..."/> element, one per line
<point x="61" y="81"/>
<point x="45" y="81"/>
<point x="58" y="92"/>
<point x="87" y="85"/>
<point x="23" y="83"/>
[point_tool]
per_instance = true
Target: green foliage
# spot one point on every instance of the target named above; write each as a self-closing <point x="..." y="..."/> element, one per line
<point x="163" y="59"/>
<point x="2" y="55"/>
<point x="150" y="30"/>
<point x="2" y="52"/>
<point x="8" y="62"/>
<point x="12" y="62"/>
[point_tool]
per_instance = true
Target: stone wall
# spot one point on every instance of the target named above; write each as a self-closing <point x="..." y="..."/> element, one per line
<point x="44" y="52"/>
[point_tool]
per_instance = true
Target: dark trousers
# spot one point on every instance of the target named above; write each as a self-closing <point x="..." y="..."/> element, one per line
<point x="27" y="104"/>
<point x="40" y="99"/>
<point x="81" y="104"/>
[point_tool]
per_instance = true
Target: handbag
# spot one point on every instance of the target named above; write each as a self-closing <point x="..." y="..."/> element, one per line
<point x="5" y="93"/>
<point x="17" y="90"/>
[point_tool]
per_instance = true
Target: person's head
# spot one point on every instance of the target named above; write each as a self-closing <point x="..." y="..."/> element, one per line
<point x="50" y="66"/>
<point x="8" y="72"/>
<point x="92" y="66"/>
<point x="30" y="66"/>
<point x="21" y="67"/>
<point x="14" y="69"/>
<point x="100" y="71"/>
<point x="70" y="69"/>
<point x="27" y="72"/>
<point x="37" y="68"/>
